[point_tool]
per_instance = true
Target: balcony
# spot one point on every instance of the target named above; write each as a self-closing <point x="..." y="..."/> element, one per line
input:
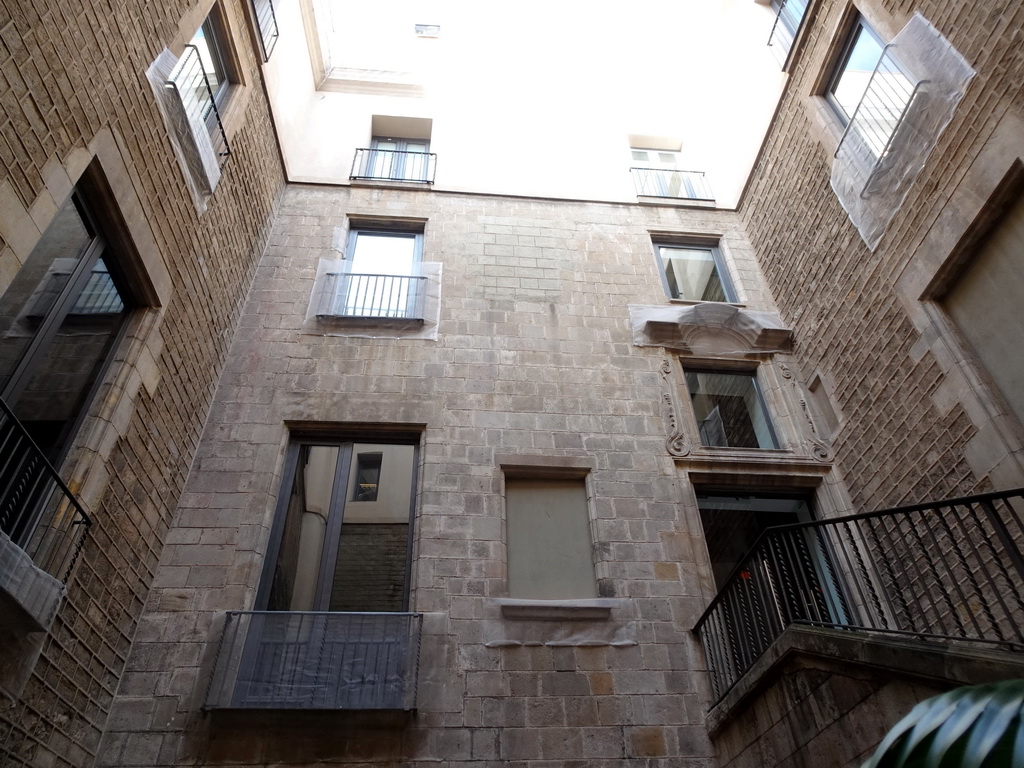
<point x="948" y="570"/>
<point x="372" y="297"/>
<point x="664" y="182"/>
<point x="393" y="165"/>
<point x="789" y="17"/>
<point x="42" y="529"/>
<point x="278" y="660"/>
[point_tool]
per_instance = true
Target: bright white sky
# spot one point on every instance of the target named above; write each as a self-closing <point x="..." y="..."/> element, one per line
<point x="698" y="69"/>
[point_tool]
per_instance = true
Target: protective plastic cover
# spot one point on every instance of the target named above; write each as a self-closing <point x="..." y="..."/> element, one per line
<point x="344" y="303"/>
<point x="871" y="179"/>
<point x="191" y="142"/>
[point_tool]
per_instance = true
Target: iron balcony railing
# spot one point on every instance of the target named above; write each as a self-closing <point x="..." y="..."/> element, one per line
<point x="37" y="510"/>
<point x="949" y="570"/>
<point x="309" y="660"/>
<point x="189" y="80"/>
<point x="266" y="22"/>
<point x="398" y="297"/>
<point x="882" y="123"/>
<point x="665" y="182"/>
<point x="394" y="165"/>
<point x="789" y="15"/>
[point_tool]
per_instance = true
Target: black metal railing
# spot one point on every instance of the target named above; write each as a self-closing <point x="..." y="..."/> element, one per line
<point x="394" y="165"/>
<point x="37" y="510"/>
<point x="882" y="121"/>
<point x="789" y="15"/>
<point x="266" y="22"/>
<point x="665" y="182"/>
<point x="372" y="296"/>
<point x="199" y="105"/>
<point x="314" y="660"/>
<point x="952" y="569"/>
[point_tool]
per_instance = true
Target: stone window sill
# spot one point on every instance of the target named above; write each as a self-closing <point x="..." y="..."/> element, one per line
<point x="594" y="609"/>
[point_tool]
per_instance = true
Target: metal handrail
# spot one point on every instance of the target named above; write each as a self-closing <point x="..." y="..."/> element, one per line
<point x="787" y="24"/>
<point x="393" y="165"/>
<point x="366" y="295"/>
<point x="670" y="182"/>
<point x="952" y="570"/>
<point x="316" y="660"/>
<point x="37" y="510"/>
<point x="266" y="22"/>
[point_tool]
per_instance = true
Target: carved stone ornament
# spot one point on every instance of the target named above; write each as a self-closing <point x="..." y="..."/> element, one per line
<point x="710" y="329"/>
<point x="676" y="443"/>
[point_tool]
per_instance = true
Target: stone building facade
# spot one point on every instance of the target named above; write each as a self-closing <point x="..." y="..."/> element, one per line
<point x="584" y="449"/>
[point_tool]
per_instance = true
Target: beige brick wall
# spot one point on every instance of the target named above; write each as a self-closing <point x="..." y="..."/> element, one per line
<point x="73" y="72"/>
<point x="901" y="438"/>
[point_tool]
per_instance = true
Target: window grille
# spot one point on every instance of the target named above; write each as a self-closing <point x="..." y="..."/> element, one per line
<point x="266" y="22"/>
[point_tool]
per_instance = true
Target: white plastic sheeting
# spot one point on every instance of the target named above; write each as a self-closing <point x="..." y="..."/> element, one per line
<point x="344" y="303"/>
<point x="189" y="135"/>
<point x="908" y="104"/>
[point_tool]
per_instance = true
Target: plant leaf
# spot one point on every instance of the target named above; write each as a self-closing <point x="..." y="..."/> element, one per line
<point x="955" y="726"/>
<point x="1005" y="704"/>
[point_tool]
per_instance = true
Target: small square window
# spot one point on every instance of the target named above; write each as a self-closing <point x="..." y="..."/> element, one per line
<point x="694" y="272"/>
<point x="729" y="409"/>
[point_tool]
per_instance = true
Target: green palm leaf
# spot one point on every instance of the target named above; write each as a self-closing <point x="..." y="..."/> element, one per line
<point x="972" y="727"/>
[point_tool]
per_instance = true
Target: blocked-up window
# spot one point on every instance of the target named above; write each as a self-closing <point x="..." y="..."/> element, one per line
<point x="985" y="305"/>
<point x="729" y="409"/>
<point x="548" y="539"/>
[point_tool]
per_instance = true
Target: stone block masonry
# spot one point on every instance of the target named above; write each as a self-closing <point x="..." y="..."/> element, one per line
<point x="533" y="366"/>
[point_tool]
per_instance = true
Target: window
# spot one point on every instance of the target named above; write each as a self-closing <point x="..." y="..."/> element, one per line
<point x="380" y="280"/>
<point x="854" y="70"/>
<point x="192" y="92"/>
<point x="732" y="522"/>
<point x="656" y="173"/>
<point x="729" y="409"/>
<point x="61" y="318"/>
<point x="343" y="539"/>
<point x="548" y="537"/>
<point x="60" y="321"/>
<point x="694" y="272"/>
<point x="395" y="159"/>
<point x="332" y="630"/>
<point x="789" y="15"/>
<point x="266" y="23"/>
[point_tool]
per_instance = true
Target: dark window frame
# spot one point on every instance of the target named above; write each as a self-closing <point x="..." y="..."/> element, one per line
<point x="858" y="25"/>
<point x="721" y="269"/>
<point x="751" y="374"/>
<point x="336" y="510"/>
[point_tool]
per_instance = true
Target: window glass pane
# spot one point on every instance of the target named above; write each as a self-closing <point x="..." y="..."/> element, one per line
<point x="207" y="42"/>
<point x="549" y="545"/>
<point x="383" y="253"/>
<point x="305" y="530"/>
<point x="691" y="274"/>
<point x="34" y="291"/>
<point x="370" y="570"/>
<point x="639" y="155"/>
<point x="855" y="72"/>
<point x="729" y="410"/>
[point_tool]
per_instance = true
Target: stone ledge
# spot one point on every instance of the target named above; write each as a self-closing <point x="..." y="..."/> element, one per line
<point x="598" y="609"/>
<point x="949" y="663"/>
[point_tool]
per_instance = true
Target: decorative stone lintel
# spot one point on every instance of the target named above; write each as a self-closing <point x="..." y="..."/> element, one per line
<point x="709" y="329"/>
